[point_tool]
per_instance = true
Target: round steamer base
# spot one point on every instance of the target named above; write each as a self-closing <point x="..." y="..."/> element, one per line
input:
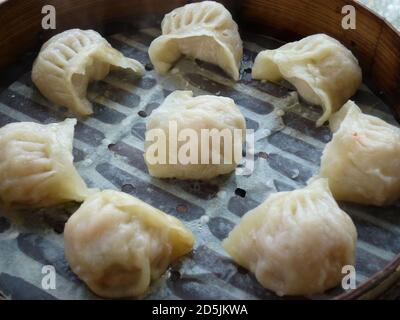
<point x="108" y="151"/>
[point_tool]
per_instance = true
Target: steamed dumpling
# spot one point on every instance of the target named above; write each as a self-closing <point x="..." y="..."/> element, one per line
<point x="362" y="162"/>
<point x="36" y="164"/>
<point x="199" y="157"/>
<point x="69" y="61"/>
<point x="297" y="242"/>
<point x="323" y="71"/>
<point x="118" y="244"/>
<point x="204" y="31"/>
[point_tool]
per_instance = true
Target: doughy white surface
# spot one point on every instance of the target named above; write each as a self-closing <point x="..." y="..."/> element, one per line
<point x="69" y="61"/>
<point x="36" y="164"/>
<point x="204" y="31"/>
<point x="195" y="113"/>
<point x="117" y="244"/>
<point x="362" y="162"/>
<point x="296" y="242"/>
<point x="324" y="72"/>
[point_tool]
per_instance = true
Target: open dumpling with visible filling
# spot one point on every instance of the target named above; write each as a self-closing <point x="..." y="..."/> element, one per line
<point x="36" y="164"/>
<point x="117" y="244"/>
<point x="69" y="61"/>
<point x="324" y="72"/>
<point x="204" y="31"/>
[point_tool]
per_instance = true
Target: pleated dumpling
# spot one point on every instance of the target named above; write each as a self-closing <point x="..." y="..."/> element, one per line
<point x="117" y="244"/>
<point x="203" y="135"/>
<point x="297" y="242"/>
<point x="204" y="31"/>
<point x="362" y="162"/>
<point x="69" y="61"/>
<point x="324" y="72"/>
<point x="36" y="164"/>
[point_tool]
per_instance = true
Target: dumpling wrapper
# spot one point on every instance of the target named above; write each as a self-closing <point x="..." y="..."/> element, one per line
<point x="117" y="244"/>
<point x="36" y="164"/>
<point x="69" y="61"/>
<point x="362" y="161"/>
<point x="204" y="31"/>
<point x="296" y="242"/>
<point x="196" y="114"/>
<point x="324" y="72"/>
